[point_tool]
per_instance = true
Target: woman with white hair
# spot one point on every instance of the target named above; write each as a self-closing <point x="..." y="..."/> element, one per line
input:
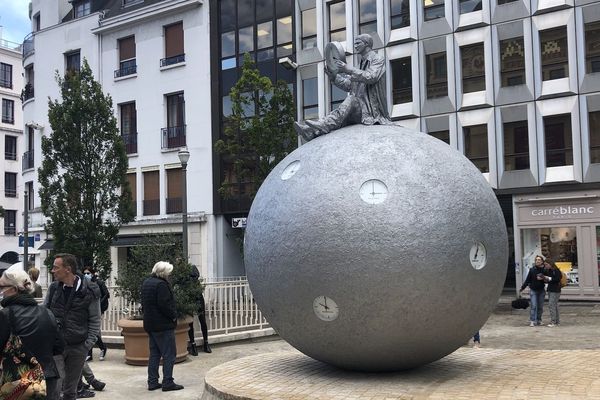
<point x="34" y="325"/>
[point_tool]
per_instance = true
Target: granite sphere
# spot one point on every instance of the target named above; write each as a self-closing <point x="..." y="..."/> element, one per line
<point x="376" y="248"/>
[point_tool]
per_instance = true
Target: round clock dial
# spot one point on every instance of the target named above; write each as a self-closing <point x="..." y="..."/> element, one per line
<point x="290" y="170"/>
<point x="373" y="191"/>
<point x="325" y="308"/>
<point x="478" y="255"/>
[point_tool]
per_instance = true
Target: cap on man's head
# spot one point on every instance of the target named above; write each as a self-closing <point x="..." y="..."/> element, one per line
<point x="366" y="39"/>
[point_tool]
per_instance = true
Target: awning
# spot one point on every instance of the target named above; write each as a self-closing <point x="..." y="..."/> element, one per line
<point x="47" y="245"/>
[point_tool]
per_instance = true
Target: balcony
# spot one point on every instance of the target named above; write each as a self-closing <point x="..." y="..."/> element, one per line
<point x="165" y="62"/>
<point x="27" y="92"/>
<point x="151" y="207"/>
<point x="173" y="137"/>
<point x="28" y="160"/>
<point x="28" y="45"/>
<point x="124" y="71"/>
<point x="130" y="143"/>
<point x="174" y="205"/>
<point x="10" y="192"/>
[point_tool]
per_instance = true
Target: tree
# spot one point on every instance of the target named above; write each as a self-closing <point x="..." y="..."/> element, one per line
<point x="83" y="185"/>
<point x="259" y="133"/>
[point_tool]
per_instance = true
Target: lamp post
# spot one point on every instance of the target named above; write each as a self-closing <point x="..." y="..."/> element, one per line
<point x="184" y="157"/>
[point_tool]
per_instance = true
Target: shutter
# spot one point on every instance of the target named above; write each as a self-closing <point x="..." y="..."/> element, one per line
<point x="151" y="185"/>
<point x="174" y="183"/>
<point x="131" y="179"/>
<point x="127" y="48"/>
<point x="174" y="40"/>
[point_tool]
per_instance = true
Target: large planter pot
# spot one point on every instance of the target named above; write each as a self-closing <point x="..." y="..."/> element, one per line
<point x="135" y="339"/>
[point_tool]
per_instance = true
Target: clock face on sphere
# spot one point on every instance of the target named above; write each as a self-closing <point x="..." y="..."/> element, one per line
<point x="325" y="308"/>
<point x="373" y="191"/>
<point x="478" y="255"/>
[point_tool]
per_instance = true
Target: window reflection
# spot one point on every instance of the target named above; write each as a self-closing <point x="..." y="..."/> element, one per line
<point x="227" y="14"/>
<point x="512" y="62"/>
<point x="555" y="57"/>
<point x="337" y="22"/>
<point x="594" y="129"/>
<point x="437" y="73"/>
<point x="558" y="140"/>
<point x="592" y="47"/>
<point x="467" y="6"/>
<point x="400" y="13"/>
<point x="227" y="44"/>
<point x="401" y="80"/>
<point x="367" y="11"/>
<point x="309" y="28"/>
<point x="433" y="9"/>
<point x="246" y="38"/>
<point x="444" y="136"/>
<point x="476" y="146"/>
<point x="310" y="98"/>
<point x="473" y="67"/>
<point x="264" y="33"/>
<point x="337" y="96"/>
<point x="516" y="146"/>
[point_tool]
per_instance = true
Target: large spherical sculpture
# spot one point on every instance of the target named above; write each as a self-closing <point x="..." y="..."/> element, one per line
<point x="376" y="248"/>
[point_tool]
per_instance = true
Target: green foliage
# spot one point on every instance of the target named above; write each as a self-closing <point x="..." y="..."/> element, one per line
<point x="154" y="248"/>
<point x="83" y="186"/>
<point x="260" y="131"/>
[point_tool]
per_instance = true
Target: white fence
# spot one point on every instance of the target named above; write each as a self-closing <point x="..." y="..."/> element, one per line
<point x="231" y="312"/>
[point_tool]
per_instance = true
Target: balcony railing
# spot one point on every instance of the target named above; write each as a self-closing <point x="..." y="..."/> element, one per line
<point x="151" y="207"/>
<point x="125" y="71"/>
<point x="28" y="45"/>
<point x="10" y="192"/>
<point x="9" y="155"/>
<point x="6" y="83"/>
<point x="173" y="137"/>
<point x="10" y="231"/>
<point x="8" y="120"/>
<point x="130" y="143"/>
<point x="28" y="159"/>
<point x="27" y="92"/>
<point x="172" y="60"/>
<point x="174" y="205"/>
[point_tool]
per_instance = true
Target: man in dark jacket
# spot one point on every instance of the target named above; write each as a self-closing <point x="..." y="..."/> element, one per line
<point x="76" y="306"/>
<point x="535" y="281"/>
<point x="160" y="320"/>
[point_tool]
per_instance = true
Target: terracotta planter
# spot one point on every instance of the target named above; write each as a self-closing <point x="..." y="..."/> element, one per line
<point x="135" y="339"/>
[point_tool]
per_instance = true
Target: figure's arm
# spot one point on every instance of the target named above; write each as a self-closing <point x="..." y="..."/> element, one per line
<point x="340" y="80"/>
<point x="372" y="74"/>
<point x="93" y="323"/>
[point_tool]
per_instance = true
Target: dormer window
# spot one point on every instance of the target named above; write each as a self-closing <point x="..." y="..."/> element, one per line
<point x="82" y="8"/>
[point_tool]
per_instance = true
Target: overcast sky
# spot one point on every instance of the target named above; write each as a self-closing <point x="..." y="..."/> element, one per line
<point x="14" y="19"/>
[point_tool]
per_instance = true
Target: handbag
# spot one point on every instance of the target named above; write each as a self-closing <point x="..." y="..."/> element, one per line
<point x="520" y="303"/>
<point x="21" y="375"/>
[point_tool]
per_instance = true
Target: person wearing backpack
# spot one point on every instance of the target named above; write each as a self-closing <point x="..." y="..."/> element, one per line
<point x="553" y="277"/>
<point x="535" y="281"/>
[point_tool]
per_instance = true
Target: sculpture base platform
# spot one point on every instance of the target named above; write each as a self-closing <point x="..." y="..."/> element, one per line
<point x="468" y="373"/>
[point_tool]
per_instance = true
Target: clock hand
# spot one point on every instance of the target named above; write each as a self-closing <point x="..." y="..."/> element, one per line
<point x="476" y="252"/>
<point x="325" y="306"/>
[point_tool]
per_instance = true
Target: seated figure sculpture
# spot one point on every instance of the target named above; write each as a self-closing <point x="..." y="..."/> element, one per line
<point x="366" y="103"/>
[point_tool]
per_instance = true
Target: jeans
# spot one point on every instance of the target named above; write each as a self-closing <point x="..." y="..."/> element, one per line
<point x="70" y="365"/>
<point x="162" y="344"/>
<point x="553" y="306"/>
<point x="476" y="338"/>
<point x="537" y="305"/>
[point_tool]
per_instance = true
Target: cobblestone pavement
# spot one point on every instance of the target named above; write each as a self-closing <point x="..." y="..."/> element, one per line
<point x="514" y="362"/>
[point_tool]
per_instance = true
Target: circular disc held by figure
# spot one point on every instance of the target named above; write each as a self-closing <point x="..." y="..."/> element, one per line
<point x="334" y="51"/>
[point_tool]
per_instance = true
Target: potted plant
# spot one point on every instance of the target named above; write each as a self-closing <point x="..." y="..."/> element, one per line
<point x="156" y="247"/>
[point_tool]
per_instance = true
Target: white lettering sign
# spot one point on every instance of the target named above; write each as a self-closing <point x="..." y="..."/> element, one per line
<point x="562" y="211"/>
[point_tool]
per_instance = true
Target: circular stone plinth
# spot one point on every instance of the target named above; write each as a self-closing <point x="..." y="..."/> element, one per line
<point x="466" y="374"/>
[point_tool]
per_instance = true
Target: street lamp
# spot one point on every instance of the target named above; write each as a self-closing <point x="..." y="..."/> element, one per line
<point x="184" y="157"/>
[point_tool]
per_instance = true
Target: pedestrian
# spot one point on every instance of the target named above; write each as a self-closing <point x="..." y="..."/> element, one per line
<point x="553" y="275"/>
<point x="91" y="274"/>
<point x="34" y="325"/>
<point x="535" y="281"/>
<point x="195" y="276"/>
<point x="76" y="306"/>
<point x="160" y="320"/>
<point x="476" y="340"/>
<point x="34" y="274"/>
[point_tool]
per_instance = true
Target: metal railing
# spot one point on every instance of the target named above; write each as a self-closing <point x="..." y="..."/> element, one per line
<point x="27" y="92"/>
<point x="7" y="44"/>
<point x="125" y="71"/>
<point x="151" y="207"/>
<point x="172" y="60"/>
<point x="28" y="45"/>
<point x="173" y="137"/>
<point x="174" y="205"/>
<point x="230" y="309"/>
<point x="28" y="160"/>
<point x="10" y="155"/>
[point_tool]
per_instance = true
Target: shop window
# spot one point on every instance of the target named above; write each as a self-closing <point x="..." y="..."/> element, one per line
<point x="558" y="140"/>
<point x="444" y="136"/>
<point x="310" y="97"/>
<point x="473" y="67"/>
<point x="594" y="129"/>
<point x="555" y="55"/>
<point x="6" y="80"/>
<point x="367" y="16"/>
<point x="437" y="75"/>
<point x="433" y="9"/>
<point x="337" y="21"/>
<point x="73" y="61"/>
<point x="467" y="6"/>
<point x="309" y="28"/>
<point x="592" y="47"/>
<point x="512" y="62"/>
<point x="337" y="96"/>
<point x="401" y="80"/>
<point x="559" y="244"/>
<point x="476" y="146"/>
<point x="516" y="146"/>
<point x="399" y="13"/>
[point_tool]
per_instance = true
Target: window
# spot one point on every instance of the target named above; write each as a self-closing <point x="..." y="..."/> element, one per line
<point x="73" y="61"/>
<point x="337" y="21"/>
<point x="367" y="16"/>
<point x="501" y="2"/>
<point x="433" y="9"/>
<point x="555" y="57"/>
<point x="131" y="180"/>
<point x="476" y="146"/>
<point x="10" y="147"/>
<point x="8" y="111"/>
<point x="10" y="184"/>
<point x="264" y="39"/>
<point x="30" y="194"/>
<point x="129" y="127"/>
<point x="37" y="23"/>
<point x="174" y="190"/>
<point x="516" y="146"/>
<point x="444" y="136"/>
<point x="6" y="76"/>
<point x="10" y="222"/>
<point x="467" y="6"/>
<point x="28" y="156"/>
<point x="151" y="204"/>
<point x="592" y="47"/>
<point x="127" y="63"/>
<point x="246" y="41"/>
<point x="173" y="135"/>
<point x="399" y="13"/>
<point x="309" y="28"/>
<point x="512" y="62"/>
<point x="228" y="50"/>
<point x="310" y="98"/>
<point x="82" y="8"/>
<point x="558" y="140"/>
<point x="594" y="127"/>
<point x="284" y="37"/>
<point x="27" y="92"/>
<point x="174" y="48"/>
<point x="437" y="73"/>
<point x="401" y="80"/>
<point x="337" y="96"/>
<point x="473" y="67"/>
<point x="264" y="9"/>
<point x="127" y="3"/>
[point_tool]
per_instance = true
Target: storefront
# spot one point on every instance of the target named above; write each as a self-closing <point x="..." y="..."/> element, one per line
<point x="566" y="228"/>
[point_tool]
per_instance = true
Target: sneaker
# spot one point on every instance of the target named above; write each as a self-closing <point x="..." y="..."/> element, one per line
<point x="154" y="386"/>
<point x="539" y="323"/>
<point x="89" y="358"/>
<point x="551" y="325"/>
<point x="85" y="394"/>
<point x="102" y="354"/>
<point x="171" y="387"/>
<point x="532" y="323"/>
<point x="98" y="385"/>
